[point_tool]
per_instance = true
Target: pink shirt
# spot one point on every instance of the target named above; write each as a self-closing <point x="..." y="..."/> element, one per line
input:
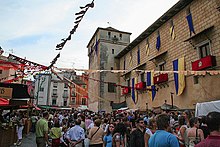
<point x="210" y="141"/>
<point x="88" y="122"/>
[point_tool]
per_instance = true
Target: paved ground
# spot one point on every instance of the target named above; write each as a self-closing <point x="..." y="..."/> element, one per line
<point x="28" y="141"/>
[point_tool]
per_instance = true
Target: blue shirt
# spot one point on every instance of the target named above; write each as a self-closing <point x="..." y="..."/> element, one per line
<point x="108" y="140"/>
<point x="76" y="133"/>
<point x="162" y="138"/>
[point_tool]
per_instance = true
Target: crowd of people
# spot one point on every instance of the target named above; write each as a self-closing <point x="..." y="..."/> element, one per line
<point x="126" y="129"/>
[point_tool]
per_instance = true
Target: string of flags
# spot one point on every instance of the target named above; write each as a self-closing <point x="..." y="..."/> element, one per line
<point x="71" y="82"/>
<point x="78" y="19"/>
<point x="185" y="72"/>
<point x="26" y="64"/>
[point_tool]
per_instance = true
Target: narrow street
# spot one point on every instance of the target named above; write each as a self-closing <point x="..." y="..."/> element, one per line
<point x="28" y="141"/>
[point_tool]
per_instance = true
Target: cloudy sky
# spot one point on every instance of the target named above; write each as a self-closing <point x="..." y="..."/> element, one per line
<point x="33" y="28"/>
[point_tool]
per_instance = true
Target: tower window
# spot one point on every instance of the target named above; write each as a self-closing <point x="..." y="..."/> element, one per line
<point x="111" y="87"/>
<point x="113" y="51"/>
<point x="109" y="34"/>
<point x="120" y="36"/>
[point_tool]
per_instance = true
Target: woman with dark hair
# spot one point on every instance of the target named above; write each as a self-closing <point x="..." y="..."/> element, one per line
<point x="204" y="126"/>
<point x="194" y="134"/>
<point x="55" y="134"/>
<point x="119" y="137"/>
<point x="107" y="140"/>
<point x="187" y="115"/>
<point x="182" y="133"/>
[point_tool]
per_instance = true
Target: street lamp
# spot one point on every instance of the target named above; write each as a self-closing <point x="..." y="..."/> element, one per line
<point x="147" y="107"/>
<point x="171" y="96"/>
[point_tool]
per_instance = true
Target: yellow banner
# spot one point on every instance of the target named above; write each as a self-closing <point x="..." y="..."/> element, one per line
<point x="5" y="92"/>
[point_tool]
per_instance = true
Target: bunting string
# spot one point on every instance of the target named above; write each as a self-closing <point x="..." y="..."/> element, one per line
<point x="78" y="19"/>
<point x="71" y="82"/>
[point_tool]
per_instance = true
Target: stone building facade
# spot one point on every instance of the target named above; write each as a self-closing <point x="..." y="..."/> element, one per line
<point x="197" y="49"/>
<point x="105" y="44"/>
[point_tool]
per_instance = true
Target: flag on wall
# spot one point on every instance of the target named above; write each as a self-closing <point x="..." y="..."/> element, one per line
<point x="172" y="32"/>
<point x="138" y="56"/>
<point x="190" y="24"/>
<point x="134" y="94"/>
<point x="179" y="78"/>
<point x="147" y="49"/>
<point x="96" y="45"/>
<point x="130" y="59"/>
<point x="150" y="85"/>
<point x="158" y="44"/>
<point x="124" y="63"/>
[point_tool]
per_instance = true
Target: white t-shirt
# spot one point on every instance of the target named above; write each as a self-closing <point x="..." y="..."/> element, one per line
<point x="148" y="131"/>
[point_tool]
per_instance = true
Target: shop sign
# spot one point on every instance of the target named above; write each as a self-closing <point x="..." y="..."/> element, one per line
<point x="5" y="92"/>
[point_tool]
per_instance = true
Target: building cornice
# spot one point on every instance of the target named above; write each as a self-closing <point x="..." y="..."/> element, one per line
<point x="181" y="4"/>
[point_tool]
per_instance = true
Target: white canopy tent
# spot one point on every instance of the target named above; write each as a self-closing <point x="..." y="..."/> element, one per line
<point x="203" y="109"/>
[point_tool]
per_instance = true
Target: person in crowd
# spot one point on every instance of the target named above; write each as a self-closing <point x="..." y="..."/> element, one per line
<point x="204" y="126"/>
<point x="63" y="138"/>
<point x="42" y="131"/>
<point x="33" y="122"/>
<point x="96" y="134"/>
<point x="117" y="120"/>
<point x="107" y="140"/>
<point x="2" y="120"/>
<point x="55" y="134"/>
<point x="119" y="135"/>
<point x="92" y="123"/>
<point x="76" y="135"/>
<point x="105" y="124"/>
<point x="182" y="132"/>
<point x="213" y="123"/>
<point x="137" y="136"/>
<point x="194" y="134"/>
<point x="162" y="138"/>
<point x="147" y="135"/>
<point x="187" y="114"/>
<point x="152" y="125"/>
<point x="82" y="117"/>
<point x="60" y="117"/>
<point x="20" y="127"/>
<point x="175" y="124"/>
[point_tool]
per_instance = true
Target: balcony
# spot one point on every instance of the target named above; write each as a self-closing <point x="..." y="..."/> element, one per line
<point x="140" y="86"/>
<point x="126" y="90"/>
<point x="161" y="78"/>
<point x="203" y="63"/>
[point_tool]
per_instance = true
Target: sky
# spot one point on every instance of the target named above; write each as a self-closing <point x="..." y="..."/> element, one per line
<point x="31" y="29"/>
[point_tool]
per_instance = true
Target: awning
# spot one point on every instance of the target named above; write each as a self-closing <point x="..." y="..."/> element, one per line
<point x="166" y="106"/>
<point x="82" y="107"/>
<point x="54" y="107"/>
<point x="116" y="106"/>
<point x="4" y="102"/>
<point x="33" y="106"/>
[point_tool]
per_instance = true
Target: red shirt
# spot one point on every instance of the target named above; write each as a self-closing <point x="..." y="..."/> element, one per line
<point x="210" y="141"/>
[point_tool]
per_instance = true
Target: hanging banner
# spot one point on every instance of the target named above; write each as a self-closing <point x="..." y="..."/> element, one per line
<point x="6" y="92"/>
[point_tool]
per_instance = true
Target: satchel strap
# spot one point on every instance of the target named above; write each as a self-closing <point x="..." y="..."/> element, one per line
<point x="95" y="132"/>
<point x="196" y="133"/>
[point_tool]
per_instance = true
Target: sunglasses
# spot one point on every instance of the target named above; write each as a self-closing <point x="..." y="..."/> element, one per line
<point x="141" y="122"/>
